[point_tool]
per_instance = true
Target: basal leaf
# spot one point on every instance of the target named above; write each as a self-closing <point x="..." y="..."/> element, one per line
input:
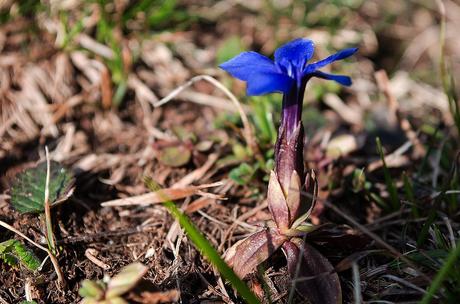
<point x="277" y="202"/>
<point x="312" y="273"/>
<point x="245" y="255"/>
<point x="28" y="191"/>
<point x="294" y="198"/>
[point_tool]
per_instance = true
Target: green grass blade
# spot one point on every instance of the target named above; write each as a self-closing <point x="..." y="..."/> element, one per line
<point x="388" y="180"/>
<point x="206" y="248"/>
<point x="409" y="190"/>
<point x="433" y="212"/>
<point x="442" y="274"/>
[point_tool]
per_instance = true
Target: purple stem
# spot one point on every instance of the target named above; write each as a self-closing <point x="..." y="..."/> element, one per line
<point x="292" y="107"/>
<point x="289" y="145"/>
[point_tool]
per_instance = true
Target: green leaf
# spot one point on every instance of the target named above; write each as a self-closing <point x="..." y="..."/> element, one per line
<point x="175" y="156"/>
<point x="14" y="252"/>
<point x="263" y="119"/>
<point x="28" y="191"/>
<point x="358" y="180"/>
<point x="442" y="275"/>
<point x="242" y="174"/>
<point x="91" y="289"/>
<point x="229" y="49"/>
<point x="391" y="186"/>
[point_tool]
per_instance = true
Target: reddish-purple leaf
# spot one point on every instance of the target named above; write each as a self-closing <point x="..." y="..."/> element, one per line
<point x="312" y="273"/>
<point x="303" y="213"/>
<point x="245" y="255"/>
<point x="277" y="202"/>
<point x="294" y="197"/>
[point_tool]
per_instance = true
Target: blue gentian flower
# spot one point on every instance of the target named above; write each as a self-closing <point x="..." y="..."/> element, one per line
<point x="290" y="67"/>
<point x="288" y="74"/>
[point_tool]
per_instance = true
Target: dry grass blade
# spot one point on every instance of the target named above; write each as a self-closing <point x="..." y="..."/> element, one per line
<point x="159" y="196"/>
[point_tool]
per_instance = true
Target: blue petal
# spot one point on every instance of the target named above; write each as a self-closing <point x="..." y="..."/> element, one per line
<point x="264" y="83"/>
<point x="337" y="56"/>
<point x="248" y="63"/>
<point x="297" y="51"/>
<point x="342" y="79"/>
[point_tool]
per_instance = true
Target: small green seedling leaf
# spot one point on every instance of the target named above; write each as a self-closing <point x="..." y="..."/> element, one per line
<point x="176" y="156"/>
<point x="263" y="119"/>
<point x="13" y="252"/>
<point x="241" y="152"/>
<point x="91" y="289"/>
<point x="28" y="191"/>
<point x="242" y="174"/>
<point x="359" y="180"/>
<point x="125" y="280"/>
<point x="97" y="292"/>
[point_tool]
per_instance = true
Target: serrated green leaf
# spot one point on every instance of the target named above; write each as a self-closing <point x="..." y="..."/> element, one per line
<point x="14" y="252"/>
<point x="28" y="191"/>
<point x="6" y="246"/>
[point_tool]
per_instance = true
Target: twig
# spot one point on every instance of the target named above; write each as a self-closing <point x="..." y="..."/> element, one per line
<point x="3" y="301"/>
<point x="404" y="282"/>
<point x="93" y="237"/>
<point x="91" y="254"/>
<point x="28" y="289"/>
<point x="48" y="223"/>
